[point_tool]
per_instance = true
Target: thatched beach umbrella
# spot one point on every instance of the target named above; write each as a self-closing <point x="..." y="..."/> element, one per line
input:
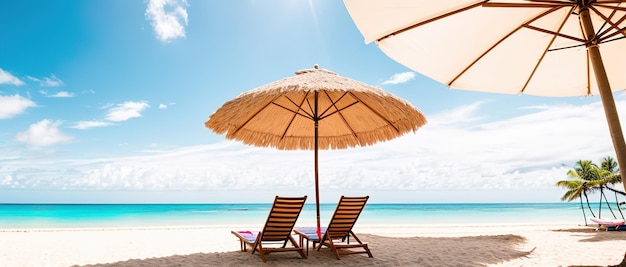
<point x="536" y="47"/>
<point x="315" y="109"/>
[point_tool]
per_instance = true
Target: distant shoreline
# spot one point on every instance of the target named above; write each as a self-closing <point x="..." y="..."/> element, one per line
<point x="159" y="215"/>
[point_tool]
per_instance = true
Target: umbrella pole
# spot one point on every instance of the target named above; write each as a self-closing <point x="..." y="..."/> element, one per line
<point x="317" y="190"/>
<point x="605" y="92"/>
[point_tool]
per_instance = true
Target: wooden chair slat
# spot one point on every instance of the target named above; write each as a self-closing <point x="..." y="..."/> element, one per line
<point x="278" y="227"/>
<point x="340" y="227"/>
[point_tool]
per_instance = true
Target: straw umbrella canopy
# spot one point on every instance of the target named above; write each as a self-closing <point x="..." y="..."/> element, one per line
<point x="315" y="109"/>
<point x="536" y="47"/>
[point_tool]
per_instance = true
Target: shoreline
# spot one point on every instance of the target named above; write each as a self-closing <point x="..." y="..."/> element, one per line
<point x="413" y="245"/>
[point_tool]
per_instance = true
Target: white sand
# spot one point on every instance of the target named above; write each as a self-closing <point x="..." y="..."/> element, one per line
<point x="402" y="245"/>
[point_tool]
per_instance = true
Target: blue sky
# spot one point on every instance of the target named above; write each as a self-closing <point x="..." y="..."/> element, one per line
<point x="105" y="102"/>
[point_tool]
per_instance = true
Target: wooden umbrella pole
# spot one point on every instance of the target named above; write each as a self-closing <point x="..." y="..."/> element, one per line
<point x="317" y="190"/>
<point x="605" y="92"/>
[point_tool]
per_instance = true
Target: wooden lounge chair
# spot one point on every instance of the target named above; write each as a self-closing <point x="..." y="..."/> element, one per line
<point x="339" y="231"/>
<point x="277" y="229"/>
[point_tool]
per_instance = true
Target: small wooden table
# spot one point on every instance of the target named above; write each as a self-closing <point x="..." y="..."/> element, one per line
<point x="308" y="234"/>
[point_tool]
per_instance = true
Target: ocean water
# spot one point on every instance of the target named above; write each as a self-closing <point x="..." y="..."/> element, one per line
<point x="17" y="216"/>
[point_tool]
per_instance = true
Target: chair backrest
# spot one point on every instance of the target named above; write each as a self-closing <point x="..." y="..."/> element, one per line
<point x="345" y="216"/>
<point x="282" y="218"/>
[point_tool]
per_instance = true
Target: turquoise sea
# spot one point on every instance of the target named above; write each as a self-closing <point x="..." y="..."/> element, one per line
<point x="14" y="216"/>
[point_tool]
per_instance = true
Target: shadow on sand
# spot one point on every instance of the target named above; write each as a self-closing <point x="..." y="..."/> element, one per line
<point x="598" y="235"/>
<point x="387" y="251"/>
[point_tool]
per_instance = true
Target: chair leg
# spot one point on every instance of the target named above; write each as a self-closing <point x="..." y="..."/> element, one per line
<point x="369" y="253"/>
<point x="321" y="242"/>
<point x="262" y="252"/>
<point x="242" y="245"/>
<point x="257" y="243"/>
<point x="300" y="249"/>
<point x="333" y="248"/>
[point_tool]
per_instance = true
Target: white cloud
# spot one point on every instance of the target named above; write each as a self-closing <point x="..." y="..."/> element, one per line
<point x="82" y="125"/>
<point x="168" y="18"/>
<point x="126" y="110"/>
<point x="11" y="106"/>
<point x="59" y="94"/>
<point x="400" y="78"/>
<point x="520" y="154"/>
<point x="462" y="115"/>
<point x="7" y="78"/>
<point x="43" y="133"/>
<point x="51" y="81"/>
<point x="63" y="94"/>
<point x="164" y="106"/>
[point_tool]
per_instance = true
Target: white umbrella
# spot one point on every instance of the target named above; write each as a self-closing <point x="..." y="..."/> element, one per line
<point x="536" y="47"/>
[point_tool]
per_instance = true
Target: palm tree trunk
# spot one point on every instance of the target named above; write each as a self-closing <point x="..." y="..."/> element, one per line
<point x="600" y="207"/>
<point x="608" y="204"/>
<point x="618" y="206"/>
<point x="588" y="205"/>
<point x="583" y="209"/>
<point x="616" y="191"/>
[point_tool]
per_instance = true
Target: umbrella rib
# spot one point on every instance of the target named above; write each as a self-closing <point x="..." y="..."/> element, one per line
<point x="294" y="113"/>
<point x="336" y="109"/>
<point x="532" y="73"/>
<point x="615" y="39"/>
<point x="584" y="42"/>
<point x="313" y="114"/>
<point x="432" y="20"/>
<point x="607" y="20"/>
<point x="543" y="4"/>
<point x="554" y="33"/>
<point x="551" y="1"/>
<point x="612" y="7"/>
<point x="252" y="117"/>
<point x="376" y="112"/>
<point x="539" y="4"/>
<point x="613" y="25"/>
<point x="334" y="104"/>
<point x="306" y="114"/>
<point x="621" y="31"/>
<point x="554" y="8"/>
<point x="588" y="61"/>
<point x="588" y="73"/>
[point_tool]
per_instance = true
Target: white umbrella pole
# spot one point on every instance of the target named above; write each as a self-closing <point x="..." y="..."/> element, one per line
<point x="605" y="92"/>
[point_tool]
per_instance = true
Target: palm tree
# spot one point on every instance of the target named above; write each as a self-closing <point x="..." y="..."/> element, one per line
<point x="609" y="164"/>
<point x="587" y="177"/>
<point x="613" y="177"/>
<point x="582" y="174"/>
<point x="609" y="174"/>
<point x="602" y="178"/>
<point x="576" y="189"/>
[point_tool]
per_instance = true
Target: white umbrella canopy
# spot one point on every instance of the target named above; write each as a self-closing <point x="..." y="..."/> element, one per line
<point x="315" y="109"/>
<point x="535" y="47"/>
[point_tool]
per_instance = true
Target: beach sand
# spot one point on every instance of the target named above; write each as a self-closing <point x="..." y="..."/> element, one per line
<point x="402" y="245"/>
